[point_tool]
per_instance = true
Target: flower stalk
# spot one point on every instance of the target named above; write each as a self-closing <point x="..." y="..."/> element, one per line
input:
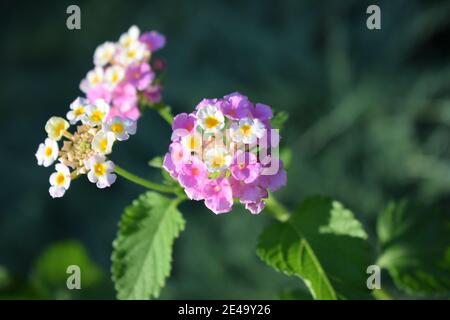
<point x="143" y="182"/>
<point x="276" y="209"/>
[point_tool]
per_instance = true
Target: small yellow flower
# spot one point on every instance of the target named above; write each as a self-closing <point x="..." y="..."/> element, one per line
<point x="97" y="113"/>
<point x="56" y="127"/>
<point x="210" y="118"/>
<point x="103" y="142"/>
<point x="59" y="181"/>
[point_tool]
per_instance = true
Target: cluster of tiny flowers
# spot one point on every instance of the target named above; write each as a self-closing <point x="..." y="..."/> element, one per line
<point x="107" y="114"/>
<point x="123" y="73"/>
<point x="223" y="151"/>
<point x="83" y="151"/>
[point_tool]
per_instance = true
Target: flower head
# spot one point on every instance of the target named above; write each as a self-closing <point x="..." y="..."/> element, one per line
<point x="83" y="150"/>
<point x="59" y="181"/>
<point x="56" y="127"/>
<point x="247" y="130"/>
<point x="154" y="40"/>
<point x="183" y="125"/>
<point x="121" y="128"/>
<point x="218" y="195"/>
<point x="47" y="152"/>
<point x="120" y="76"/>
<point x="130" y="37"/>
<point x="226" y="150"/>
<point x="122" y="73"/>
<point x="104" y="53"/>
<point x="103" y="142"/>
<point x="114" y="75"/>
<point x="210" y="118"/>
<point x="78" y="109"/>
<point x="97" y="112"/>
<point x="140" y="75"/>
<point x="100" y="171"/>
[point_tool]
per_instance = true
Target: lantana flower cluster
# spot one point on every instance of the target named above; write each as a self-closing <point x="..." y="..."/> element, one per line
<point x="226" y="151"/>
<point x="107" y="114"/>
<point x="83" y="151"/>
<point x="123" y="73"/>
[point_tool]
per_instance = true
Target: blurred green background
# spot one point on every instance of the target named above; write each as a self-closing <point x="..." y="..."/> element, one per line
<point x="369" y="122"/>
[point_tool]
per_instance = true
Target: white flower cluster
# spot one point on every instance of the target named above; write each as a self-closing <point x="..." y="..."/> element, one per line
<point x="85" y="150"/>
<point x="111" y="60"/>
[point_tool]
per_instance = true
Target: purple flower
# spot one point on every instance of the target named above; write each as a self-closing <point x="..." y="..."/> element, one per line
<point x="238" y="106"/>
<point x="245" y="167"/>
<point x="262" y="112"/>
<point x="248" y="192"/>
<point x="211" y="102"/>
<point x="219" y="171"/>
<point x="273" y="182"/>
<point x="99" y="92"/>
<point x="154" y="40"/>
<point x="218" y="195"/>
<point x="170" y="166"/>
<point x="182" y="125"/>
<point x="124" y="99"/>
<point x="153" y="93"/>
<point x="178" y="155"/>
<point x="140" y="75"/>
<point x="255" y="207"/>
<point x="192" y="177"/>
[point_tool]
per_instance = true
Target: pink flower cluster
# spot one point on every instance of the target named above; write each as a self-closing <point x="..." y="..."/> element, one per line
<point x="226" y="150"/>
<point x="123" y="72"/>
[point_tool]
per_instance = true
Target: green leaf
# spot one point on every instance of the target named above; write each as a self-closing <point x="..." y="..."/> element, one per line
<point x="324" y="245"/>
<point x="279" y="119"/>
<point x="286" y="157"/>
<point x="342" y="222"/>
<point x="156" y="162"/>
<point x="50" y="271"/>
<point x="415" y="249"/>
<point x="142" y="255"/>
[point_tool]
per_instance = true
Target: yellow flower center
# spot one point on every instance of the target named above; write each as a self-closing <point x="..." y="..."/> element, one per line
<point x="59" y="129"/>
<point x="117" y="128"/>
<point x="218" y="161"/>
<point x="246" y="129"/>
<point x="131" y="53"/>
<point x="99" y="169"/>
<point x="95" y="79"/>
<point x="60" y="179"/>
<point x="211" y="122"/>
<point x="115" y="77"/>
<point x="103" y="144"/>
<point x="97" y="116"/>
<point x="79" y="111"/>
<point x="192" y="143"/>
<point x="216" y="188"/>
<point x="48" y="151"/>
<point x="127" y="42"/>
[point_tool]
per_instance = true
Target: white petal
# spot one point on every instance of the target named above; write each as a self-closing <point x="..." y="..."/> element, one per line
<point x="92" y="177"/>
<point x="40" y="154"/>
<point x="56" y="192"/>
<point x="52" y="178"/>
<point x="63" y="169"/>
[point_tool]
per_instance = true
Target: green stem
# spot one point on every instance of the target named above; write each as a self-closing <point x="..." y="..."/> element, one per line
<point x="163" y="109"/>
<point x="143" y="182"/>
<point x="276" y="209"/>
<point x="166" y="114"/>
